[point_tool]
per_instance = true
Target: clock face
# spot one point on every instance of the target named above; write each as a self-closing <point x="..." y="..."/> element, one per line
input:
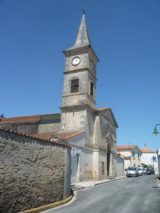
<point x="76" y="60"/>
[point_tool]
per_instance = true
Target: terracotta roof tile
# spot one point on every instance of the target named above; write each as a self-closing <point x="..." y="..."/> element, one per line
<point x="67" y="135"/>
<point x="63" y="136"/>
<point x="34" y="118"/>
<point x="126" y="147"/>
<point x="55" y="140"/>
<point x="145" y="150"/>
<point x="22" y="119"/>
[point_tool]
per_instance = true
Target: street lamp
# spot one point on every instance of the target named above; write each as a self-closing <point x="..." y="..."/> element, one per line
<point x="155" y="131"/>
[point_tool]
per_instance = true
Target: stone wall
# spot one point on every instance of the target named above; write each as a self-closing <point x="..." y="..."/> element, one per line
<point x="52" y="127"/>
<point x="33" y="172"/>
<point x="120" y="166"/>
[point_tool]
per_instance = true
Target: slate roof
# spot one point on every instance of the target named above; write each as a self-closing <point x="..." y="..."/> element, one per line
<point x="82" y="38"/>
<point x="105" y="110"/>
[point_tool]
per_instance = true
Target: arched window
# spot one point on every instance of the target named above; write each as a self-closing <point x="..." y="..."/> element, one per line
<point x="74" y="85"/>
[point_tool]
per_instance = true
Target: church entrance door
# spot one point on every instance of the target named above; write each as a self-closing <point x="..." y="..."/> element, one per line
<point x="108" y="163"/>
<point x="108" y="159"/>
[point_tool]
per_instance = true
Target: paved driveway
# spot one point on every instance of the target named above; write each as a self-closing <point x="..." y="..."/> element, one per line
<point x="128" y="195"/>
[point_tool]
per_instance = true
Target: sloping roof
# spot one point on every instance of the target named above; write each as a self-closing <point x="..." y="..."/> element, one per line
<point x="82" y="38"/>
<point x="34" y="118"/>
<point x="64" y="136"/>
<point x="103" y="109"/>
<point x="52" y="140"/>
<point x="127" y="147"/>
<point x="145" y="150"/>
<point x="123" y="156"/>
<point x="67" y="135"/>
<point x="110" y="110"/>
<point x="29" y="119"/>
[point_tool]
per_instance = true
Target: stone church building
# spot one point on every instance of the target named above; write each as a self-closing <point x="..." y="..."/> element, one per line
<point x="91" y="131"/>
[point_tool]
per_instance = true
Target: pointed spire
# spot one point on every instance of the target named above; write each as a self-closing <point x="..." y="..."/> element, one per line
<point x="82" y="38"/>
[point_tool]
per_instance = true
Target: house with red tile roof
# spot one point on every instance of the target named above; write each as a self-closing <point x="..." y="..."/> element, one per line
<point x="149" y="158"/>
<point x="132" y="155"/>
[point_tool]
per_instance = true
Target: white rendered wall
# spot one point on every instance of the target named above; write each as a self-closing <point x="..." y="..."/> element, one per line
<point x="147" y="158"/>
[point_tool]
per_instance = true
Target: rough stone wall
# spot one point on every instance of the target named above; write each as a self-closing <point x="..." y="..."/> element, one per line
<point x="27" y="128"/>
<point x="86" y="165"/>
<point x="90" y="122"/>
<point x="52" y="127"/>
<point x="106" y="126"/>
<point x="74" y="119"/>
<point x="114" y="165"/>
<point x="102" y="165"/>
<point x="32" y="172"/>
<point x="80" y="97"/>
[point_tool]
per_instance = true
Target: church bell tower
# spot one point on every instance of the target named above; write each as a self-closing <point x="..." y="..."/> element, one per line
<point x="79" y="92"/>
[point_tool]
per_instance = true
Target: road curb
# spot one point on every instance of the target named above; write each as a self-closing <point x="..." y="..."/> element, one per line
<point x="110" y="180"/>
<point x="49" y="206"/>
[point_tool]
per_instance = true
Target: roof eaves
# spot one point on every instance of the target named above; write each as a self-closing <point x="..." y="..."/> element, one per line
<point x="62" y="143"/>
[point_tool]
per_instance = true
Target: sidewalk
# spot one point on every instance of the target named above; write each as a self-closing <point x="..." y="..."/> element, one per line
<point x="88" y="184"/>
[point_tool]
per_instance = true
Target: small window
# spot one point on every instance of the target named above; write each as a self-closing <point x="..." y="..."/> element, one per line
<point x="91" y="89"/>
<point x="74" y="85"/>
<point x="154" y="159"/>
<point x="133" y="154"/>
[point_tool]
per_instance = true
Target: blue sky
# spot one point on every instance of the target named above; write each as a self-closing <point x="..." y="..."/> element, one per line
<point x="125" y="36"/>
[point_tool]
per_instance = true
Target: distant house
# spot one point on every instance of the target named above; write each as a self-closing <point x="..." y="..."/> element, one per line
<point x="132" y="155"/>
<point x="149" y="157"/>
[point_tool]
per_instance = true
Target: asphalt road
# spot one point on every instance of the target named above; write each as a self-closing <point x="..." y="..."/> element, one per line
<point x="128" y="195"/>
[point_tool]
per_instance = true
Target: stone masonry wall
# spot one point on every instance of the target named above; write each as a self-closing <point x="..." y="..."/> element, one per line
<point x="32" y="172"/>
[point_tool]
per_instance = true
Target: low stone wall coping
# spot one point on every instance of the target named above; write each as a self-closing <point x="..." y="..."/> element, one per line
<point x="53" y="141"/>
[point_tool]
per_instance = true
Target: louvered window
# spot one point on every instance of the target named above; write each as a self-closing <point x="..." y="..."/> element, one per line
<point x="74" y="85"/>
